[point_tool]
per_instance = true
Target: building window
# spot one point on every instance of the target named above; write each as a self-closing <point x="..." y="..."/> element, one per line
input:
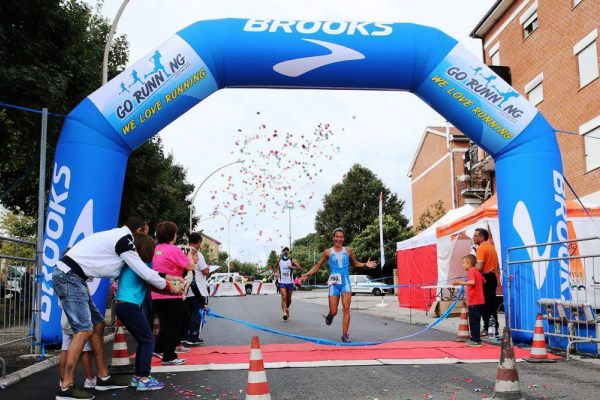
<point x="535" y="89"/>
<point x="592" y="149"/>
<point x="591" y="140"/>
<point x="529" y="20"/>
<point x="494" y="54"/>
<point x="587" y="58"/>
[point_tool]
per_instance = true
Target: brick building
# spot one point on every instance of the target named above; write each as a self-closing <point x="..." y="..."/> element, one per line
<point x="211" y="245"/>
<point x="436" y="166"/>
<point x="551" y="49"/>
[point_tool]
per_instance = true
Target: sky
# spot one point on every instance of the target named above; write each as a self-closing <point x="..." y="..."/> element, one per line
<point x="205" y="138"/>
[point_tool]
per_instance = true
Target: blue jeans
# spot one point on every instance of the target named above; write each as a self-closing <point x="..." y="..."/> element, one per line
<point x="193" y="305"/>
<point x="133" y="318"/>
<point x="76" y="301"/>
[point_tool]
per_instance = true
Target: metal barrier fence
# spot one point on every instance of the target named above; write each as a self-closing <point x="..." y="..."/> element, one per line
<point x="17" y="290"/>
<point x="570" y="323"/>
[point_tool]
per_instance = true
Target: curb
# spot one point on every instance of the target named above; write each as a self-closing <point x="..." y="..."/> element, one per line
<point x="21" y="374"/>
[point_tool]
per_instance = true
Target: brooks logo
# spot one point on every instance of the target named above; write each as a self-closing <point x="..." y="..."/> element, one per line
<point x="300" y="66"/>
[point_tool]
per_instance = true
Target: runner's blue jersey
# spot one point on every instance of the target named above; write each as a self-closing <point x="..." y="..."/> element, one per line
<point x="339" y="263"/>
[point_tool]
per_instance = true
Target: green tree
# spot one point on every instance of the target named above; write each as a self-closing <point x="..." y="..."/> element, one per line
<point x="50" y="56"/>
<point x="354" y="203"/>
<point x="434" y="212"/>
<point x="17" y="226"/>
<point x="155" y="187"/>
<point x="366" y="244"/>
<point x="273" y="260"/>
<point x="244" y="268"/>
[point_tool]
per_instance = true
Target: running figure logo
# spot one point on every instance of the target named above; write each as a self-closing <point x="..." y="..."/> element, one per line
<point x="505" y="95"/>
<point x="155" y="59"/>
<point x="123" y="88"/>
<point x="136" y="78"/>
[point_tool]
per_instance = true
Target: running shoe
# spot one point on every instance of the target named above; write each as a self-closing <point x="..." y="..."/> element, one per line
<point x="472" y="343"/>
<point x="285" y="317"/>
<point x="89" y="383"/>
<point x="328" y="319"/>
<point x="484" y="333"/>
<point x="73" y="393"/>
<point x="176" y="361"/>
<point x="346" y="338"/>
<point x="182" y="349"/>
<point x="193" y="343"/>
<point x="158" y="355"/>
<point x="110" y="383"/>
<point x="149" y="384"/>
<point x="134" y="381"/>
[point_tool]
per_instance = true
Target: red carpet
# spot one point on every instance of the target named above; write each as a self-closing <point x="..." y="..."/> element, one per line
<point x="308" y="354"/>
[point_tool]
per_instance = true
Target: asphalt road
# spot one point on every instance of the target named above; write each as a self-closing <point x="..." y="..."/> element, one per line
<point x="563" y="380"/>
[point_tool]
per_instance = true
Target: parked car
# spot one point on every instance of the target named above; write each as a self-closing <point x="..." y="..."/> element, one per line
<point x="13" y="281"/>
<point x="364" y="284"/>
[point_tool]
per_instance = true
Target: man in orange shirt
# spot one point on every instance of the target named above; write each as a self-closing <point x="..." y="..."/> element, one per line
<point x="487" y="263"/>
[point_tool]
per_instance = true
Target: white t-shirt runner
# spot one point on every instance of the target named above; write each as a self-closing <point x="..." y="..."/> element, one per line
<point x="285" y="271"/>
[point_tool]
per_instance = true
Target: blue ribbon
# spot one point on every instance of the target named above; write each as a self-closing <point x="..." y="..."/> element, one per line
<point x="333" y="342"/>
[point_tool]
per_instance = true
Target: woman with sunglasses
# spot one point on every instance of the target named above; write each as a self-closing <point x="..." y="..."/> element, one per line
<point x="339" y="259"/>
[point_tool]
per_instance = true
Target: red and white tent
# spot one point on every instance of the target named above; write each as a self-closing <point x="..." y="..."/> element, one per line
<point x="416" y="260"/>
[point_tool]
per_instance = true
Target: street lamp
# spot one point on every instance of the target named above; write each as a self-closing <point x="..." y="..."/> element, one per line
<point x="199" y="186"/>
<point x="109" y="39"/>
<point x="289" y="206"/>
<point x="228" y="218"/>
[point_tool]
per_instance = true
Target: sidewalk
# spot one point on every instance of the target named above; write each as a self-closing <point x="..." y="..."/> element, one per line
<point x="367" y="304"/>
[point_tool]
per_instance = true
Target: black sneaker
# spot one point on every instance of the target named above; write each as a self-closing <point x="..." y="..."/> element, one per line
<point x="484" y="333"/>
<point x="73" y="393"/>
<point x="328" y="319"/>
<point x="110" y="384"/>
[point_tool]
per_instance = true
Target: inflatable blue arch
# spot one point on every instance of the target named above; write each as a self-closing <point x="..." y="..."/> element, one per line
<point x="101" y="132"/>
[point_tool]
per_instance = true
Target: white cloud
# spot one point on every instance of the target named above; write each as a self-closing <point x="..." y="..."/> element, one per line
<point x="383" y="137"/>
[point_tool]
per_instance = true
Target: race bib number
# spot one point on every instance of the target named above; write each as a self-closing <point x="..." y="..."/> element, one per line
<point x="286" y="275"/>
<point x="334" y="279"/>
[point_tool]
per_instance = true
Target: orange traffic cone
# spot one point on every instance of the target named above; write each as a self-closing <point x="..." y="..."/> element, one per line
<point x="463" y="333"/>
<point x="120" y="354"/>
<point x="507" y="377"/>
<point x="258" y="387"/>
<point x="155" y="326"/>
<point x="538" y="345"/>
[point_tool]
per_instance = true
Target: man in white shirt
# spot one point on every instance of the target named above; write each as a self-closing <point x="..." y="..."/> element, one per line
<point x="102" y="254"/>
<point x="197" y="294"/>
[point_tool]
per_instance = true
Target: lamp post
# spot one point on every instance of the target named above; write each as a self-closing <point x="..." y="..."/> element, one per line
<point x="109" y="39"/>
<point x="228" y="218"/>
<point x="202" y="183"/>
<point x="289" y="206"/>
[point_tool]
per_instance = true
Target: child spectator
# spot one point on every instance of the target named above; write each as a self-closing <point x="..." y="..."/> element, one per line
<point x="86" y="358"/>
<point x="130" y="296"/>
<point x="475" y="299"/>
<point x="172" y="313"/>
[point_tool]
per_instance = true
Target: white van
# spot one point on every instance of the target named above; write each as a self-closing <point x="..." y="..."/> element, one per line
<point x="364" y="284"/>
<point x="223" y="277"/>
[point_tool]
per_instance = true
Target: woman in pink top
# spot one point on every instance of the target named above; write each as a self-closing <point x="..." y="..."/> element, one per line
<point x="172" y="313"/>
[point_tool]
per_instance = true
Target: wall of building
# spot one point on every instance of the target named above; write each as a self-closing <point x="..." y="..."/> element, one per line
<point x="431" y="174"/>
<point x="549" y="49"/>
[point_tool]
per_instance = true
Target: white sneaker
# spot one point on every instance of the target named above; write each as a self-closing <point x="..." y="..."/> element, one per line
<point x="182" y="349"/>
<point x="90" y="383"/>
<point x="177" y="361"/>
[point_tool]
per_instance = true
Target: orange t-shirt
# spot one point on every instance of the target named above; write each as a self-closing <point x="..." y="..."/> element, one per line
<point x="487" y="253"/>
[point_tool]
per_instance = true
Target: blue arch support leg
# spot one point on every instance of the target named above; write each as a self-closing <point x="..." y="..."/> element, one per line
<point x="101" y="132"/>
